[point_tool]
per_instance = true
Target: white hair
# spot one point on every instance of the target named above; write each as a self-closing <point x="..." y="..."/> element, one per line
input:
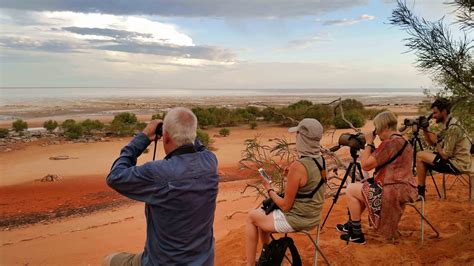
<point x="181" y="125"/>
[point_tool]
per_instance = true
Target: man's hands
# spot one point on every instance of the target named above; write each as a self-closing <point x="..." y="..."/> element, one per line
<point x="369" y="137"/>
<point x="150" y="129"/>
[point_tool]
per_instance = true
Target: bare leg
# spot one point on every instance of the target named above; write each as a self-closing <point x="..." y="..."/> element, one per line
<point x="422" y="159"/>
<point x="355" y="200"/>
<point x="256" y="221"/>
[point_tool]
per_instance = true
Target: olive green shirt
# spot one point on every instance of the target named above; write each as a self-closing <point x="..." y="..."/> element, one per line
<point x="456" y="145"/>
<point x="305" y="213"/>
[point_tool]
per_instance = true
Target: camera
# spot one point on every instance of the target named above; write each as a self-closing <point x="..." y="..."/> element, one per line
<point x="421" y="121"/>
<point x="354" y="141"/>
<point x="417" y="123"/>
<point x="159" y="129"/>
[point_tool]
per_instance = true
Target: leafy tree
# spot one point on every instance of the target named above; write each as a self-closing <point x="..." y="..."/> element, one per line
<point x="224" y="132"/>
<point x="300" y="104"/>
<point x="91" y="125"/>
<point x="19" y="125"/>
<point x="50" y="125"/>
<point x="354" y="116"/>
<point x="203" y="137"/>
<point x="3" y="133"/>
<point x="448" y="61"/>
<point x="124" y="124"/>
<point x="71" y="129"/>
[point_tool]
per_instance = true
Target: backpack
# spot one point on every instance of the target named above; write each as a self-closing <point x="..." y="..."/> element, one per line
<point x="273" y="253"/>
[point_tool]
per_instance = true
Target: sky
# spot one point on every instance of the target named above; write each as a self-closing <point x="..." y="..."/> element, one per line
<point x="217" y="44"/>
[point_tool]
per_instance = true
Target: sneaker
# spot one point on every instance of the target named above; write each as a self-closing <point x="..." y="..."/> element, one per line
<point x="358" y="239"/>
<point x="343" y="228"/>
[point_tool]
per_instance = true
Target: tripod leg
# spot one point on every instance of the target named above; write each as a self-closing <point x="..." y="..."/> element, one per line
<point x="359" y="168"/>
<point x="336" y="196"/>
<point x="429" y="170"/>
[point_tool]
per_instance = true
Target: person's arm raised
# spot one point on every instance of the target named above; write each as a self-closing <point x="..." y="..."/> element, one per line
<point x="296" y="172"/>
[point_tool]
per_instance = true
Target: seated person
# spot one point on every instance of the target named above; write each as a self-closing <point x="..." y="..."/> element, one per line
<point x="303" y="178"/>
<point x="393" y="185"/>
<point x="452" y="145"/>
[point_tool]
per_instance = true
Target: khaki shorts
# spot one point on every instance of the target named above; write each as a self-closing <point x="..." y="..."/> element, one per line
<point x="126" y="259"/>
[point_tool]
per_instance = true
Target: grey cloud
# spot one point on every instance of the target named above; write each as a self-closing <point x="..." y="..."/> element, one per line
<point x="28" y="44"/>
<point x="120" y="45"/>
<point x="345" y="21"/>
<point x="305" y="43"/>
<point x="190" y="8"/>
<point x="197" y="52"/>
<point x="117" y="34"/>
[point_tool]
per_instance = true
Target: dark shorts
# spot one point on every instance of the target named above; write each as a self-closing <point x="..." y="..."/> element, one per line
<point x="443" y="166"/>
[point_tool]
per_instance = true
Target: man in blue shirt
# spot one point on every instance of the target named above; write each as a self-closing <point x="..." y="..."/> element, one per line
<point x="179" y="193"/>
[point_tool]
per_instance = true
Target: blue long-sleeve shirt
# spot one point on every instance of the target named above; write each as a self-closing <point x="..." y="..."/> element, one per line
<point x="180" y="200"/>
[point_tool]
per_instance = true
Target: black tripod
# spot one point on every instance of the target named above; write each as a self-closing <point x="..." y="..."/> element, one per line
<point x="354" y="165"/>
<point x="414" y="141"/>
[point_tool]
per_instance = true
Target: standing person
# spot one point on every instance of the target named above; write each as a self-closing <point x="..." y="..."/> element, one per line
<point x="179" y="194"/>
<point x="452" y="146"/>
<point x="304" y="177"/>
<point x="393" y="185"/>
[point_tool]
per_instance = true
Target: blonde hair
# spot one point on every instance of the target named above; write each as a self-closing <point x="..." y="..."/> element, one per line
<point x="181" y="124"/>
<point x="385" y="120"/>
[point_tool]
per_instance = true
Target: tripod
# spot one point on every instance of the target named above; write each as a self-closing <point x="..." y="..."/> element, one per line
<point x="354" y="165"/>
<point x="414" y="141"/>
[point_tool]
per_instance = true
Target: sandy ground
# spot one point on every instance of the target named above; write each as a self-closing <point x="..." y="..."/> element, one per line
<point x="79" y="219"/>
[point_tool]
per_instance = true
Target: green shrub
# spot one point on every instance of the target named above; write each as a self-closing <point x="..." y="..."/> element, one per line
<point x="301" y="104"/>
<point x="124" y="124"/>
<point x="160" y="116"/>
<point x="71" y="129"/>
<point x="19" y="125"/>
<point x="50" y="125"/>
<point x="203" y="137"/>
<point x="372" y="113"/>
<point x="224" y="132"/>
<point x="253" y="125"/>
<point x="3" y="133"/>
<point x="354" y="116"/>
<point x="90" y="126"/>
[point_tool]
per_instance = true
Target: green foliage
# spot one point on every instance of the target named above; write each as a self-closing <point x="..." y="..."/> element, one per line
<point x="372" y="112"/>
<point x="19" y="125"/>
<point x="125" y="124"/>
<point x="3" y="133"/>
<point x="354" y="116"/>
<point x="449" y="61"/>
<point x="300" y="104"/>
<point x="71" y="129"/>
<point x="140" y="126"/>
<point x="50" y="125"/>
<point x="160" y="116"/>
<point x="90" y="126"/>
<point x="351" y="104"/>
<point x="273" y="158"/>
<point x="224" y="132"/>
<point x="253" y="125"/>
<point x="203" y="137"/>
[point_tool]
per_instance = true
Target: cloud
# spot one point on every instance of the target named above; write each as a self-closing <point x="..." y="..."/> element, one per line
<point x="25" y="43"/>
<point x="70" y="32"/>
<point x="345" y="21"/>
<point x="111" y="33"/>
<point x="190" y="8"/>
<point x="308" y="42"/>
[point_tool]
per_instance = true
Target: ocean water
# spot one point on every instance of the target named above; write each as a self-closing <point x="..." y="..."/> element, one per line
<point x="9" y="96"/>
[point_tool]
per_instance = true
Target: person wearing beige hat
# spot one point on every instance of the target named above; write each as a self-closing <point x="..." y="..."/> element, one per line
<point x="300" y="207"/>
